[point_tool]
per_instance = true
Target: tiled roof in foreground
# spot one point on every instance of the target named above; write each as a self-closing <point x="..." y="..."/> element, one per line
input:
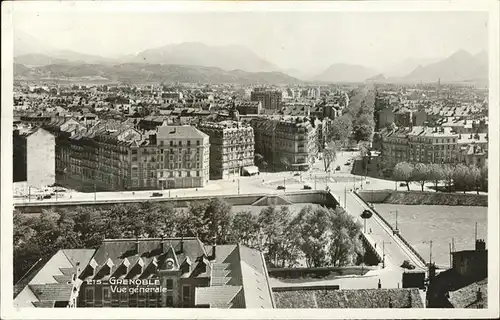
<point x="362" y="298"/>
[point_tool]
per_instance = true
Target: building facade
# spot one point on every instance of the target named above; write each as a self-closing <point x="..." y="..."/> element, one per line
<point x="270" y="99"/>
<point x="249" y="107"/>
<point x="34" y="157"/>
<point x="286" y="143"/>
<point x="184" y="154"/>
<point x="174" y="272"/>
<point x="231" y="148"/>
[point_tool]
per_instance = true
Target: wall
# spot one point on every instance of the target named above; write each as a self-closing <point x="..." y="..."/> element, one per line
<point x="41" y="159"/>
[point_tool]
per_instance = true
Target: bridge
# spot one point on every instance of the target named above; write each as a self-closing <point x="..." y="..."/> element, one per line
<point x="381" y="236"/>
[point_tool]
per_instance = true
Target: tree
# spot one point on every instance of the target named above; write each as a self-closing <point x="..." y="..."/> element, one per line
<point x="363" y="127"/>
<point x="340" y="129"/>
<point x="245" y="229"/>
<point x="258" y="159"/>
<point x="329" y="155"/>
<point x="403" y="172"/>
<point x="475" y="178"/>
<point x="313" y="227"/>
<point x="484" y="178"/>
<point x="209" y="221"/>
<point x="461" y="178"/>
<point x="275" y="240"/>
<point x="448" y="176"/>
<point x="421" y="174"/>
<point x="436" y="174"/>
<point x="285" y="162"/>
<point x="345" y="235"/>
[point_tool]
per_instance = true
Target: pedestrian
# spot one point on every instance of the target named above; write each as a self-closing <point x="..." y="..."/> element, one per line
<point x="370" y="230"/>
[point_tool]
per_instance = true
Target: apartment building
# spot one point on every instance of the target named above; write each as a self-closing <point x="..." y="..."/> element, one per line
<point x="420" y="144"/>
<point x="249" y="107"/>
<point x="113" y="155"/>
<point x="286" y="143"/>
<point x="231" y="148"/>
<point x="34" y="156"/>
<point x="270" y="99"/>
<point x="184" y="154"/>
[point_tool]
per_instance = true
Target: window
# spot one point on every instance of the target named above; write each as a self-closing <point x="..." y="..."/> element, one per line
<point x="180" y="173"/>
<point x="161" y="143"/>
<point x="197" y="173"/>
<point x="189" y="143"/>
<point x="186" y="291"/>
<point x="197" y="142"/>
<point x="89" y="294"/>
<point x="170" y="284"/>
<point x="170" y="301"/>
<point x="106" y="293"/>
<point x="171" y="143"/>
<point x="180" y="143"/>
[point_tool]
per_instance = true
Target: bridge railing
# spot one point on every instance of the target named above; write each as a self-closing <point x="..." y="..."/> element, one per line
<point x="392" y="230"/>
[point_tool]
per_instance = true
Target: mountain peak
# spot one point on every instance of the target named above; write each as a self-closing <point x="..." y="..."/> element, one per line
<point x="461" y="54"/>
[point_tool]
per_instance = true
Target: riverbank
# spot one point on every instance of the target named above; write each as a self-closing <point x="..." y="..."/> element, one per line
<point x="424" y="198"/>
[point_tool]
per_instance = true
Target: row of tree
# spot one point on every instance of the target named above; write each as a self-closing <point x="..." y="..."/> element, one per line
<point x="319" y="235"/>
<point x="455" y="177"/>
<point x="357" y="120"/>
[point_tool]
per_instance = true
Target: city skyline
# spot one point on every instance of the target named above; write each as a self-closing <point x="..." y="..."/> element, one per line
<point x="289" y="40"/>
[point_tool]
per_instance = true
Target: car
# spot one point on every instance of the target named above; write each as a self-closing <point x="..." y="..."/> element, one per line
<point x="338" y="168"/>
<point x="402" y="184"/>
<point x="47" y="196"/>
<point x="347" y="163"/>
<point x="306" y="187"/>
<point x="59" y="190"/>
<point x="297" y="174"/>
<point x="367" y="181"/>
<point x="157" y="194"/>
<point x="281" y="188"/>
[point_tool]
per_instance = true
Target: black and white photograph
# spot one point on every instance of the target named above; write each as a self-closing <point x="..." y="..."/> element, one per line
<point x="283" y="157"/>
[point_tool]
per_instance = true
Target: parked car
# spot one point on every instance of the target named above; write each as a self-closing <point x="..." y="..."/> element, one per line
<point x="403" y="184"/>
<point x="297" y="174"/>
<point x="367" y="181"/>
<point x="157" y="194"/>
<point x="347" y="163"/>
<point x="281" y="188"/>
<point x="59" y="190"/>
<point x="47" y="196"/>
<point x="338" y="168"/>
<point x="306" y="187"/>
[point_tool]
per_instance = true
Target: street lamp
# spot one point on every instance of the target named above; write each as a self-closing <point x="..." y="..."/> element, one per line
<point x="430" y="250"/>
<point x="383" y="252"/>
<point x="367" y="214"/>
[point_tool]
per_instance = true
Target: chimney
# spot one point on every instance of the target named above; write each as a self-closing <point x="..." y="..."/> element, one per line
<point x="162" y="244"/>
<point x="480" y="245"/>
<point x="213" y="252"/>
<point x="181" y="243"/>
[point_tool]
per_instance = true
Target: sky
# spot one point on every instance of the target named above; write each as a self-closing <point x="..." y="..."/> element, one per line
<point x="307" y="41"/>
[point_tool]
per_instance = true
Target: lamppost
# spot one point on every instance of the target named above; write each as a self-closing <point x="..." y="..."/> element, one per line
<point x="383" y="252"/>
<point x="95" y="192"/>
<point x="367" y="214"/>
<point x="430" y="250"/>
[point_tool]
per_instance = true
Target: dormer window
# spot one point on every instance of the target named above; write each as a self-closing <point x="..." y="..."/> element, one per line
<point x="169" y="264"/>
<point x="93" y="264"/>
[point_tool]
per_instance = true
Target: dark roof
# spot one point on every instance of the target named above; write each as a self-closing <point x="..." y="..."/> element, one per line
<point x="44" y="304"/>
<point x="362" y="298"/>
<point x="120" y="251"/>
<point x="467" y="297"/>
<point x="51" y="291"/>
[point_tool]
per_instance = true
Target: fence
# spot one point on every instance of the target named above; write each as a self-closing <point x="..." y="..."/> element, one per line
<point x="392" y="230"/>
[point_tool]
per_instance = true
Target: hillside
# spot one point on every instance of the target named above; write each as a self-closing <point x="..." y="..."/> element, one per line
<point x="460" y="66"/>
<point x="199" y="54"/>
<point x="142" y="72"/>
<point x="346" y="73"/>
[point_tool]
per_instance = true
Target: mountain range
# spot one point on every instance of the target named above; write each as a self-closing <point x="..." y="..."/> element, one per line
<point x="200" y="62"/>
<point x="143" y="73"/>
